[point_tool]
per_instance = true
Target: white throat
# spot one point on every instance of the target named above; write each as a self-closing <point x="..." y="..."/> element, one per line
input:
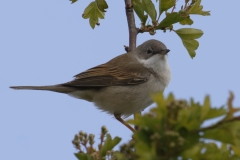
<point x="159" y="65"/>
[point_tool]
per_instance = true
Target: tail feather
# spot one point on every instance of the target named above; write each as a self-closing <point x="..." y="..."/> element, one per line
<point x="54" y="88"/>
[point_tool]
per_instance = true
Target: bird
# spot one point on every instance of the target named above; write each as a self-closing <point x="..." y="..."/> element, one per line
<point x="123" y="85"/>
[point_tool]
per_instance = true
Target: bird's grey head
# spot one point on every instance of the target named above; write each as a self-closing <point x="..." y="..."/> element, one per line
<point x="151" y="49"/>
<point x="152" y="54"/>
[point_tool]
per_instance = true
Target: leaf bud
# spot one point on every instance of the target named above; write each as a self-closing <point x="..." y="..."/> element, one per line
<point x="104" y="130"/>
<point x="91" y="139"/>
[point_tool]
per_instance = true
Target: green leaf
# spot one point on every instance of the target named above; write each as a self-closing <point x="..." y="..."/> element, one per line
<point x="170" y="19"/>
<point x="227" y="133"/>
<point x="145" y="152"/>
<point x="189" y="33"/>
<point x="93" y="13"/>
<point x="191" y="46"/>
<point x="209" y="151"/>
<point x="73" y="1"/>
<point x="186" y="21"/>
<point x="149" y="7"/>
<point x="83" y="156"/>
<point x="215" y="112"/>
<point x="236" y="150"/>
<point x="137" y="6"/>
<point x="147" y="121"/>
<point x="109" y="144"/>
<point x="120" y="156"/>
<point x="170" y="98"/>
<point x="189" y="118"/>
<point x="159" y="99"/>
<point x="102" y="5"/>
<point x="164" y="5"/>
<point x="205" y="108"/>
<point x="161" y="109"/>
<point x="196" y="8"/>
<point x="193" y="152"/>
<point x="188" y="36"/>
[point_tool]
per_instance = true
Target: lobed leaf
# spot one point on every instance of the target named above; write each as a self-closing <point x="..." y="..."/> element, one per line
<point x="205" y="108"/>
<point x="189" y="118"/>
<point x="196" y="8"/>
<point x="83" y="156"/>
<point x="191" y="46"/>
<point x="186" y="21"/>
<point x="188" y="36"/>
<point x="93" y="13"/>
<point x="102" y="5"/>
<point x="145" y="152"/>
<point x="215" y="112"/>
<point x="109" y="144"/>
<point x="209" y="151"/>
<point x="227" y="133"/>
<point x="189" y="33"/>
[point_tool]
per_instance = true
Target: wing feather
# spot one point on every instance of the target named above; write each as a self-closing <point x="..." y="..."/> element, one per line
<point x="112" y="74"/>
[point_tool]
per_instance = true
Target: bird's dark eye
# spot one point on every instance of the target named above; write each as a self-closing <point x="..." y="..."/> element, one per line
<point x="149" y="50"/>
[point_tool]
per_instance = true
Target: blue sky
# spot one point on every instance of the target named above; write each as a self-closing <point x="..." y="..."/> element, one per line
<point x="48" y="42"/>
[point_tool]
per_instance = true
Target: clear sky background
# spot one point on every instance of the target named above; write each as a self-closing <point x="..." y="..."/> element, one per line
<point x="47" y="42"/>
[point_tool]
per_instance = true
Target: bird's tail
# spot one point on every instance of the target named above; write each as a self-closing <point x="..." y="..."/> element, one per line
<point x="54" y="88"/>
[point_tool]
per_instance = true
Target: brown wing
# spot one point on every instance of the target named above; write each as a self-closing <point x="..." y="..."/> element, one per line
<point x="111" y="74"/>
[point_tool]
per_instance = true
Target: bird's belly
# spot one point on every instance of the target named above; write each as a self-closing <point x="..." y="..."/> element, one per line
<point x="126" y="100"/>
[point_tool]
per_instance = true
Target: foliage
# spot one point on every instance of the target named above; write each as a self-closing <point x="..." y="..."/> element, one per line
<point x="174" y="129"/>
<point x="87" y="140"/>
<point x="146" y="9"/>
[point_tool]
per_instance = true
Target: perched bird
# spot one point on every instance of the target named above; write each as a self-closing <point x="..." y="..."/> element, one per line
<point x="123" y="85"/>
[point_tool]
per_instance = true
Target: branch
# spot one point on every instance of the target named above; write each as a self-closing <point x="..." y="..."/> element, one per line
<point x="149" y="29"/>
<point x="133" y="31"/>
<point x="218" y="124"/>
<point x="229" y="117"/>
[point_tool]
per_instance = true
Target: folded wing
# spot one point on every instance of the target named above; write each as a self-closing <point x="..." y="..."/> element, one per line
<point x="111" y="74"/>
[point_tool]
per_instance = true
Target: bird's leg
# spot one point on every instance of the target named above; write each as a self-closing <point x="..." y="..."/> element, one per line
<point x="118" y="117"/>
<point x="135" y="114"/>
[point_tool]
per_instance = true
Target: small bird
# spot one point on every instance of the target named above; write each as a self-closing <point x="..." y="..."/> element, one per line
<point x="123" y="85"/>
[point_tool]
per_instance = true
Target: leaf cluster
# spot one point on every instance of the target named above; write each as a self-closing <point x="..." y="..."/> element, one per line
<point x="174" y="129"/>
<point x="83" y="142"/>
<point x="146" y="9"/>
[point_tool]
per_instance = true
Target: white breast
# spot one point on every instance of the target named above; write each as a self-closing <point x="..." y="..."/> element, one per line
<point x="159" y="65"/>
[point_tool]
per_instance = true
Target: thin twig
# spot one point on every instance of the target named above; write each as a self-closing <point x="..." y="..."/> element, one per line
<point x="146" y="29"/>
<point x="85" y="146"/>
<point x="174" y="7"/>
<point x="131" y="25"/>
<point x="186" y="3"/>
<point x="218" y="124"/>
<point x="102" y="140"/>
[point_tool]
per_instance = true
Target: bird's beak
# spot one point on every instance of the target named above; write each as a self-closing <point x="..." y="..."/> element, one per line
<point x="162" y="52"/>
<point x="165" y="51"/>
